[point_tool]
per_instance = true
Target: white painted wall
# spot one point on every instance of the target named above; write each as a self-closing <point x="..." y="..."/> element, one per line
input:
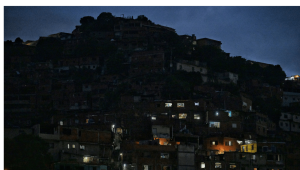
<point x="290" y="97"/>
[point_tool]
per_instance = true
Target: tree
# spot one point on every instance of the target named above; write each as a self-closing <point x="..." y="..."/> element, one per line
<point x="86" y="20"/>
<point x="49" y="49"/>
<point x="8" y="43"/>
<point x="105" y="22"/>
<point x="18" y="40"/>
<point x="142" y="18"/>
<point x="26" y="152"/>
<point x="105" y="16"/>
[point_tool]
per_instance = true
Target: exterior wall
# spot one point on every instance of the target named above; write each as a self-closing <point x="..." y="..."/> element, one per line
<point x="13" y="132"/>
<point x="233" y="77"/>
<point x="86" y="87"/>
<point x="290" y="97"/>
<point x="223" y="122"/>
<point x="62" y="166"/>
<point x="256" y="122"/>
<point x="206" y="41"/>
<point x="189" y="106"/>
<point x="286" y="116"/>
<point x="250" y="148"/>
<point x="290" y="122"/>
<point x="296" y="118"/>
<point x="285" y="125"/>
<point x="295" y="127"/>
<point x="161" y="131"/>
<point x="191" y="68"/>
<point x="228" y="76"/>
<point x="220" y="145"/>
<point x="186" y="157"/>
<point x="247" y="104"/>
<point x="147" y="62"/>
<point x="140" y="155"/>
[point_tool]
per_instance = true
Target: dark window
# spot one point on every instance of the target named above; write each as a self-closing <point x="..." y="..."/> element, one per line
<point x="67" y="131"/>
<point x="147" y="154"/>
<point x="265" y="148"/>
<point x="270" y="157"/>
<point x="158" y="105"/>
<point x="51" y="145"/>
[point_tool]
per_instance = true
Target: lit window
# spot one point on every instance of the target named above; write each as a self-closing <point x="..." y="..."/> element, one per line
<point x="214" y="142"/>
<point x="217" y="113"/>
<point x="202" y="165"/>
<point x="86" y="159"/>
<point x="229" y="113"/>
<point x="218" y="165"/>
<point x="68" y="146"/>
<point x="168" y="104"/>
<point x="73" y="146"/>
<point x="196" y="103"/>
<point x="180" y="104"/>
<point x="233" y="125"/>
<point x="147" y="167"/>
<point x="164" y="155"/>
<point x="173" y="116"/>
<point x="61" y="123"/>
<point x="228" y="143"/>
<point x="153" y="118"/>
<point x="182" y="115"/>
<point x="214" y="124"/>
<point x="196" y="116"/>
<point x="82" y="147"/>
<point x="232" y="166"/>
<point x="166" y="167"/>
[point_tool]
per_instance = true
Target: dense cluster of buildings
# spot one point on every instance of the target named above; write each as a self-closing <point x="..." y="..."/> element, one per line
<point x="141" y="130"/>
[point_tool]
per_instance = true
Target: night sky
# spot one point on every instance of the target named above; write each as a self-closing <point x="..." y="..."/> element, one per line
<point x="265" y="34"/>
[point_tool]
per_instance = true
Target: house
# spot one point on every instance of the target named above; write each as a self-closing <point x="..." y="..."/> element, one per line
<point x="186" y="157"/>
<point x="89" y="148"/>
<point x="290" y="97"/>
<point x="293" y="78"/>
<point x="216" y="145"/>
<point x="247" y="103"/>
<point x="207" y="41"/>
<point x="224" y="121"/>
<point x="258" y="123"/>
<point x="290" y="121"/>
<point x="144" y="62"/>
<point x="262" y="65"/>
<point x="193" y="66"/>
<point x="227" y="77"/>
<point x="148" y="156"/>
<point x="162" y="132"/>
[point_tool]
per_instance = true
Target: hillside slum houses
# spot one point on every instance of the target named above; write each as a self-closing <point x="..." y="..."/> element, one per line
<point x="88" y="127"/>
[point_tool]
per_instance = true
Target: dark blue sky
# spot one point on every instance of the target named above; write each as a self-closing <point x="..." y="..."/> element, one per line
<point x="264" y="34"/>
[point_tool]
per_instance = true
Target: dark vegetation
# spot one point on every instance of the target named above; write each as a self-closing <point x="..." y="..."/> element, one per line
<point x="26" y="152"/>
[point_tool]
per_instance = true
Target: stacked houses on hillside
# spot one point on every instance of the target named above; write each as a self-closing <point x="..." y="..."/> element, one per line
<point x="96" y="120"/>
